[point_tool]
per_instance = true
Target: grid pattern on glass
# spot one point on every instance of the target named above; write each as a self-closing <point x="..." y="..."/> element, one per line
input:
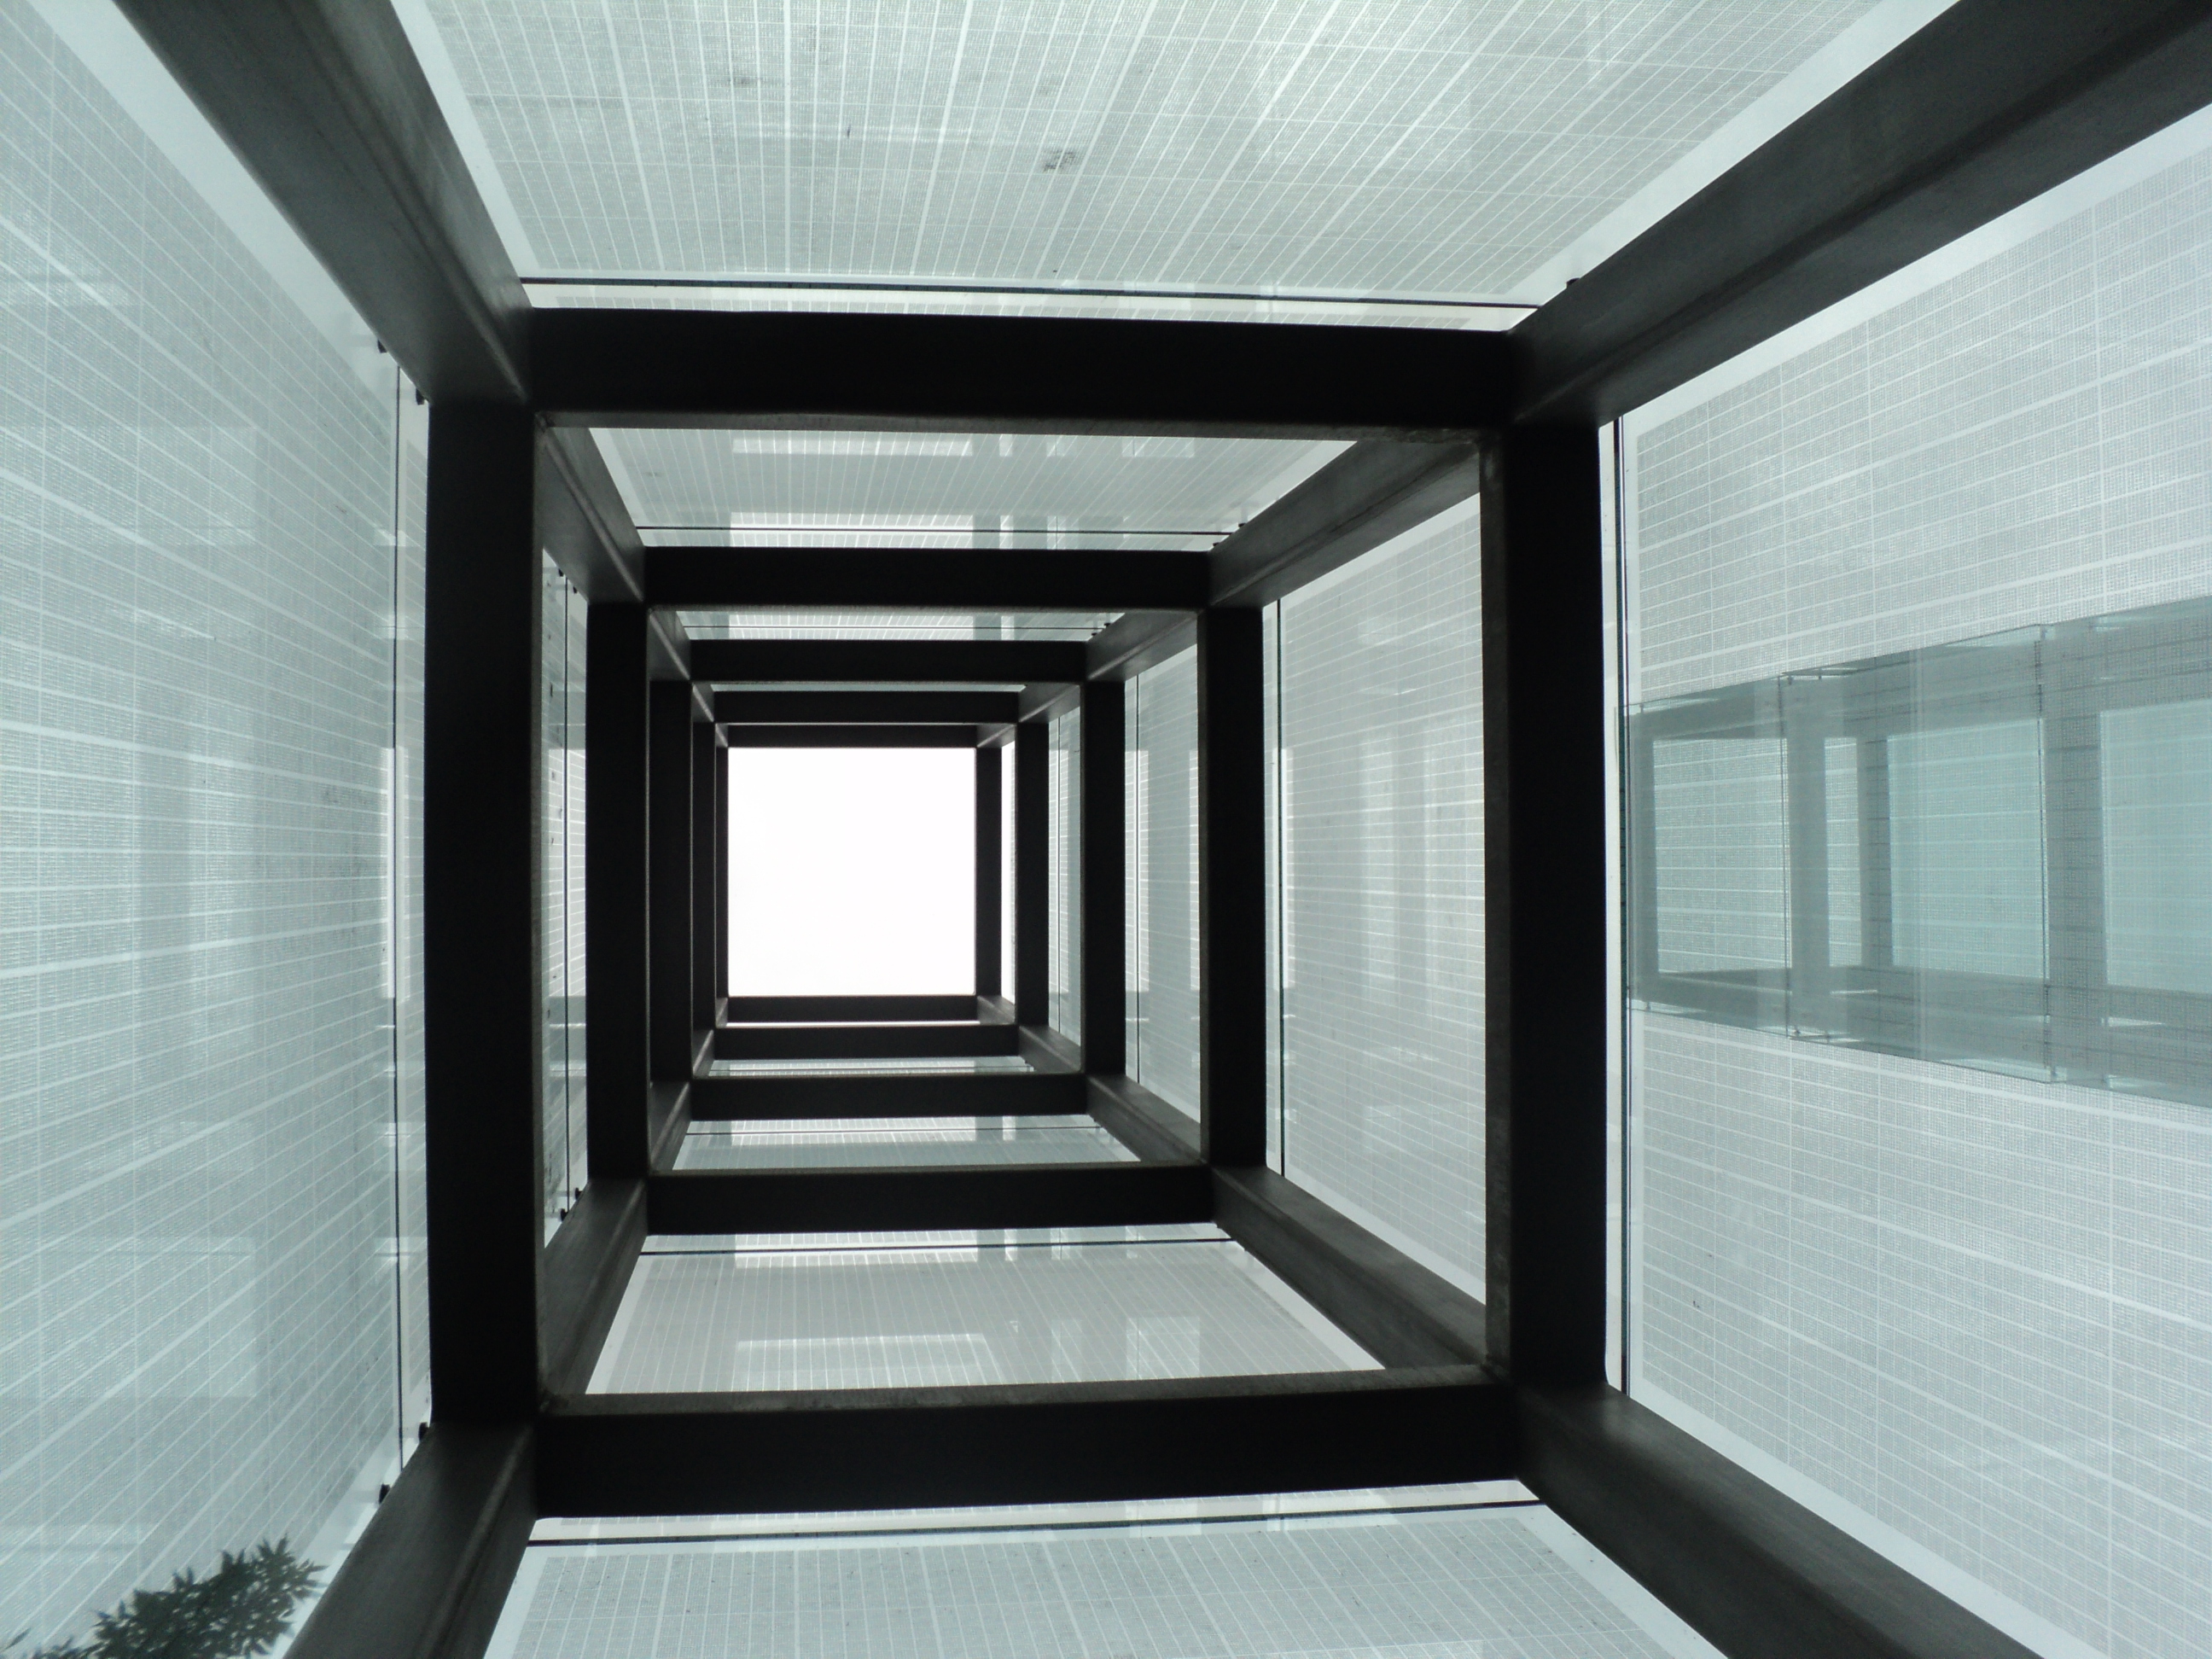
<point x="768" y="1144"/>
<point x="1428" y="149"/>
<point x="210" y="719"/>
<point x="1444" y="1583"/>
<point x="1160" y="921"/>
<point x="991" y="1311"/>
<point x="1064" y="877"/>
<point x="1382" y="899"/>
<point x="948" y="489"/>
<point x="1486" y="315"/>
<point x="917" y="1066"/>
<point x="1962" y="1313"/>
<point x="757" y="625"/>
<point x="562" y="1140"/>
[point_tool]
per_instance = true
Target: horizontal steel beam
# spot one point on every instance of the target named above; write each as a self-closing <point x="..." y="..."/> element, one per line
<point x="587" y="1267"/>
<point x="860" y="1042"/>
<point x="1753" y="1571"/>
<point x="953" y="579"/>
<point x="975" y="662"/>
<point x="1140" y="1119"/>
<point x="428" y="1576"/>
<point x="325" y="104"/>
<point x="868" y="708"/>
<point x="931" y="1197"/>
<point x="886" y="1449"/>
<point x="1397" y="1309"/>
<point x="1990" y="104"/>
<point x="1363" y="498"/>
<point x="1130" y="644"/>
<point x="594" y="367"/>
<point x="853" y="736"/>
<point x="888" y="1094"/>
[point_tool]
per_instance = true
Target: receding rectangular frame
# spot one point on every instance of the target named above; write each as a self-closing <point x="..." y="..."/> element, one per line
<point x="1991" y="103"/>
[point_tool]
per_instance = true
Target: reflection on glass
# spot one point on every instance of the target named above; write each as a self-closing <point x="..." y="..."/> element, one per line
<point x="1723" y="875"/>
<point x="1995" y="852"/>
<point x="1966" y="814"/>
<point x="1064" y="1308"/>
<point x="2158" y="845"/>
<point x="868" y="1142"/>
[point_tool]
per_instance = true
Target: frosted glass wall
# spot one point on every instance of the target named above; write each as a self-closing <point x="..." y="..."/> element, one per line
<point x="1160" y="803"/>
<point x="1379" y="895"/>
<point x="1064" y="880"/>
<point x="1921" y="1159"/>
<point x="562" y="678"/>
<point x="211" y="1314"/>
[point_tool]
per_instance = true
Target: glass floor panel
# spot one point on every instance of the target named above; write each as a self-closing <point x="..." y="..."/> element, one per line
<point x="878" y="1142"/>
<point x="981" y="1307"/>
<point x="1422" y="1573"/>
<point x="952" y="1065"/>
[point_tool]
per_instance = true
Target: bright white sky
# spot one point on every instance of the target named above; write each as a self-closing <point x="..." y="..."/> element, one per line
<point x="852" y="871"/>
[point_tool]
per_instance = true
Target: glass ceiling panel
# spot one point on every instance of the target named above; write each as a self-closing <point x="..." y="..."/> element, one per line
<point x="948" y="488"/>
<point x="1065" y="626"/>
<point x="854" y="1142"/>
<point x="1006" y="1310"/>
<point x="1420" y="1573"/>
<point x="1436" y="151"/>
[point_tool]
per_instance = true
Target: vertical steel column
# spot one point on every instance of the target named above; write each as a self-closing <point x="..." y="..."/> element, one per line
<point x="618" y="1067"/>
<point x="668" y="923"/>
<point x="1232" y="888"/>
<point x="1543" y="815"/>
<point x="706" y="865"/>
<point x="1105" y="999"/>
<point x="1032" y="880"/>
<point x="989" y="770"/>
<point x="483" y="801"/>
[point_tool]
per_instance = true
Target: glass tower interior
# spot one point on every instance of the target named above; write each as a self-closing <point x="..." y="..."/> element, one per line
<point x="1345" y="832"/>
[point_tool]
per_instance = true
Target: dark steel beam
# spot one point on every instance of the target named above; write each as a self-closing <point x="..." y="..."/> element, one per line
<point x="979" y="662"/>
<point x="668" y="651"/>
<point x="1546" y="999"/>
<point x="669" y="879"/>
<point x="1021" y="1442"/>
<point x="483" y="800"/>
<point x="1371" y="492"/>
<point x="582" y="522"/>
<point x="851" y="736"/>
<point x="931" y="1198"/>
<point x="1130" y="644"/>
<point x="1757" y="1574"/>
<point x="867" y="708"/>
<point x="428" y="1577"/>
<point x="587" y="1267"/>
<point x="861" y="1041"/>
<point x="1987" y="106"/>
<point x="850" y="1011"/>
<point x="617" y="897"/>
<point x="990" y="873"/>
<point x="1140" y="1119"/>
<point x="1391" y="1305"/>
<point x="988" y="579"/>
<point x="1100" y="849"/>
<point x="888" y="1094"/>
<point x="1232" y="892"/>
<point x="920" y="373"/>
<point x="324" y="102"/>
<point x="1032" y="876"/>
